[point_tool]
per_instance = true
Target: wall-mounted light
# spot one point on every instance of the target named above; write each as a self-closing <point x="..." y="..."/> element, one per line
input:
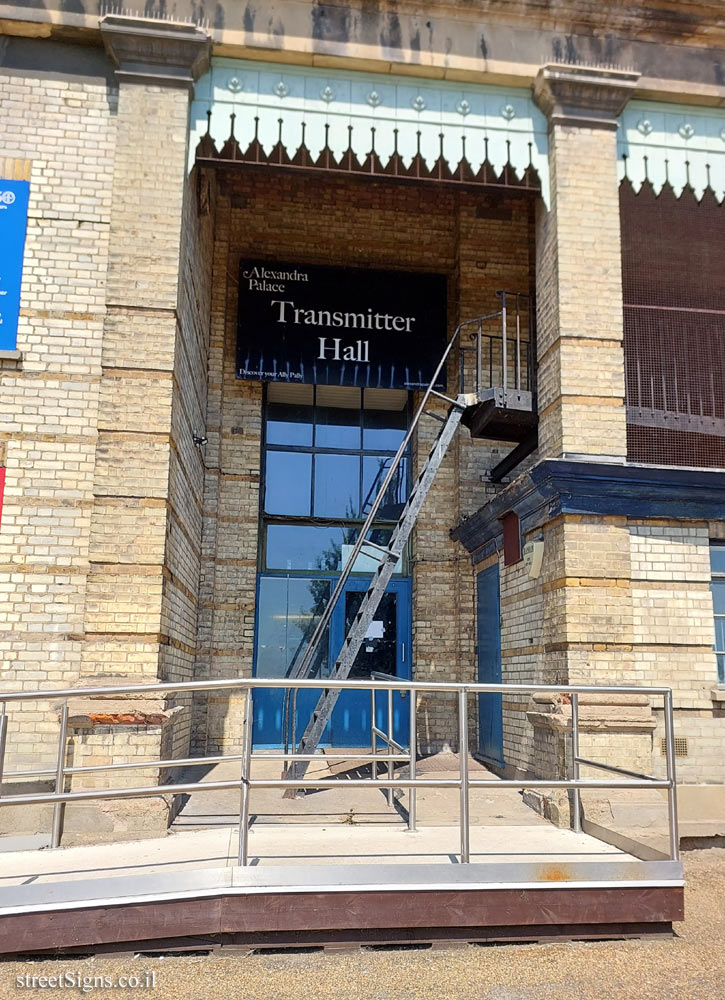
<point x="533" y="554"/>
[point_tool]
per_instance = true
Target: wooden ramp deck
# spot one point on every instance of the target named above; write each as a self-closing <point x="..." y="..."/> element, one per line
<point x="332" y="885"/>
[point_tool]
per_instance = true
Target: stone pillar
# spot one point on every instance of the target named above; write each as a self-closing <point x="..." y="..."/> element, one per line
<point x="145" y="524"/>
<point x="582" y="413"/>
<point x="578" y="284"/>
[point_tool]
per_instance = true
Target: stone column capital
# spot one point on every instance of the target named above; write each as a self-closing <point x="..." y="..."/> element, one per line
<point x="586" y="96"/>
<point x="164" y="53"/>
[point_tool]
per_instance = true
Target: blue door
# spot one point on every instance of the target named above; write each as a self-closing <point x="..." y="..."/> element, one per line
<point x="287" y="611"/>
<point x="490" y="708"/>
<point x="387" y="650"/>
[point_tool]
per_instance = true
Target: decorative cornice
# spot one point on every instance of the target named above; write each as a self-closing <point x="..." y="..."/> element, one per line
<point x="164" y="53"/>
<point x="299" y="116"/>
<point x="676" y="145"/>
<point x="583" y="95"/>
<point x="564" y="486"/>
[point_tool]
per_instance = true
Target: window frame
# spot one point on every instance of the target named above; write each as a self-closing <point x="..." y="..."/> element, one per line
<point x="717" y="577"/>
<point x="266" y="520"/>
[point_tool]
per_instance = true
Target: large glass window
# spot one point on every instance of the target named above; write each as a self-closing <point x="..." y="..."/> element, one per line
<point x="717" y="565"/>
<point x="327" y="450"/>
<point x="287" y="487"/>
<point x="288" y="610"/>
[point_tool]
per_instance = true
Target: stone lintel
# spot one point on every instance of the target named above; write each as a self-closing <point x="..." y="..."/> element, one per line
<point x="584" y="96"/>
<point x="163" y="53"/>
<point x="596" y="698"/>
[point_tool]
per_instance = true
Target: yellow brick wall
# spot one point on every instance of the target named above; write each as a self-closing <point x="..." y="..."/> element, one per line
<point x="334" y="220"/>
<point x="579" y="299"/>
<point x="51" y="397"/>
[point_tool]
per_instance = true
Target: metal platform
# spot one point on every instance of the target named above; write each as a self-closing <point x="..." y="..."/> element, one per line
<point x="502" y="415"/>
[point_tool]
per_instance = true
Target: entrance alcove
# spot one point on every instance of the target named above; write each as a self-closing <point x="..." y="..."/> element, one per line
<point x="480" y="240"/>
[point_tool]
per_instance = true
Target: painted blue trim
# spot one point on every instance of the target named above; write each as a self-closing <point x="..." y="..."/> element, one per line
<point x="676" y="144"/>
<point x="567" y="486"/>
<point x="488" y="652"/>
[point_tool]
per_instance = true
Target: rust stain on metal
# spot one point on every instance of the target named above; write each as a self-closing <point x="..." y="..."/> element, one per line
<point x="554" y="873"/>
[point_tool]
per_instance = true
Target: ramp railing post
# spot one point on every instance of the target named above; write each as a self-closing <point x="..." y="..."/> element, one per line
<point x="373" y="737"/>
<point x="574" y="798"/>
<point x="463" y="772"/>
<point x="243" y="852"/>
<point x="671" y="778"/>
<point x="390" y="745"/>
<point x="412" y="804"/>
<point x="3" y="741"/>
<point x="59" y="777"/>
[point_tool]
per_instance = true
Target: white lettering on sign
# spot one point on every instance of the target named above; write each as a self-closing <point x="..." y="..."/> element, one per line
<point x="348" y="320"/>
<point x="259" y="273"/>
<point x="263" y="279"/>
<point x="336" y="351"/>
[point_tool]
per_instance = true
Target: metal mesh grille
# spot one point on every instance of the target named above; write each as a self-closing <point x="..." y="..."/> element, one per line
<point x="681" y="749"/>
<point x="673" y="261"/>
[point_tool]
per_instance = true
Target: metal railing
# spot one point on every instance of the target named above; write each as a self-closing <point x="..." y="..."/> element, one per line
<point x="503" y="360"/>
<point x="394" y="752"/>
<point x="519" y="309"/>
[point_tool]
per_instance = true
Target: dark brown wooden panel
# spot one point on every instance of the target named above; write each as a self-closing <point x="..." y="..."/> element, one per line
<point x="459" y="908"/>
<point x="100" y="925"/>
<point x="389" y="914"/>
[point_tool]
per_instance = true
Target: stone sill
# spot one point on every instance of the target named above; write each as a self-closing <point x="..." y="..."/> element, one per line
<point x="10" y="357"/>
<point x="89" y="713"/>
<point x="561" y="723"/>
<point x="718" y="694"/>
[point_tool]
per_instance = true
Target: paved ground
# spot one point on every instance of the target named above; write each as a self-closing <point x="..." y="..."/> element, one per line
<point x="690" y="966"/>
<point x="346" y="804"/>
<point x="302" y="845"/>
<point x="348" y="822"/>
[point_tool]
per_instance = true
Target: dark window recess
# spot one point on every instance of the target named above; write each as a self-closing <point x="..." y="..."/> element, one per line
<point x="511" y="538"/>
<point x="673" y="258"/>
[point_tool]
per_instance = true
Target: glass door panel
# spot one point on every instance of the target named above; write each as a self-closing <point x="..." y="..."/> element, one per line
<point x="386" y="649"/>
<point x="288" y="609"/>
<point x="379" y="651"/>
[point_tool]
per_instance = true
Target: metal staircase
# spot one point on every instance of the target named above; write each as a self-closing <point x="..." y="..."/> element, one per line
<point x="463" y="407"/>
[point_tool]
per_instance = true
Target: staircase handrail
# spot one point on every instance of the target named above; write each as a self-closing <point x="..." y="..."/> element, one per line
<point x="324" y="620"/>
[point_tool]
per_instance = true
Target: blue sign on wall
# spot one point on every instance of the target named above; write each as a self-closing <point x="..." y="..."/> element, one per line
<point x="13" y="223"/>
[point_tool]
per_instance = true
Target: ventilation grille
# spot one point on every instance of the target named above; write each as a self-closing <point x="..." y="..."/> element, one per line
<point x="680" y="747"/>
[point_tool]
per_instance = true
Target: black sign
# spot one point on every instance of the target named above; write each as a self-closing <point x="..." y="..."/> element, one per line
<point x="340" y="326"/>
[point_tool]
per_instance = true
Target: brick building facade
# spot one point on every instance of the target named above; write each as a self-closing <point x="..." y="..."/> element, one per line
<point x="135" y="539"/>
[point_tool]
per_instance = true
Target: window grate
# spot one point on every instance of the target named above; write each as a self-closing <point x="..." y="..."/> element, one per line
<point x="674" y="327"/>
<point x="681" y="749"/>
